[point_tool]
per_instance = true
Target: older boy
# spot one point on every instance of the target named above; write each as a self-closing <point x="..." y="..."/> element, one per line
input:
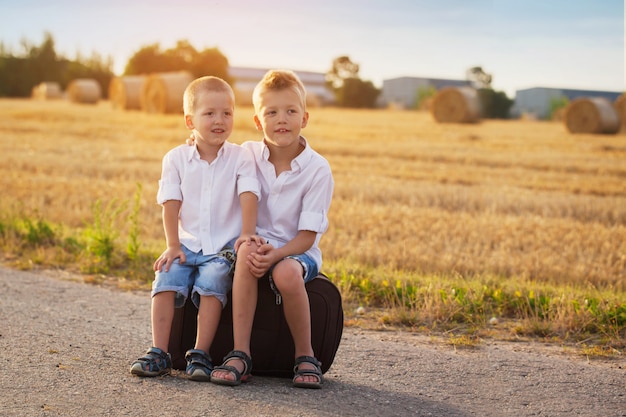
<point x="296" y="188"/>
<point x="209" y="196"/>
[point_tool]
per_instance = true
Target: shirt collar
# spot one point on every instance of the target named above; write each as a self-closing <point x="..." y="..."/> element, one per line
<point x="193" y="151"/>
<point x="299" y="161"/>
<point x="303" y="158"/>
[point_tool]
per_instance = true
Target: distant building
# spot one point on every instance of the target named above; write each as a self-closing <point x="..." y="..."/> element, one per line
<point x="536" y="101"/>
<point x="245" y="79"/>
<point x="403" y="91"/>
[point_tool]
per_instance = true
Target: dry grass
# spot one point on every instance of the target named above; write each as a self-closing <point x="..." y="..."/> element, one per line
<point x="511" y="198"/>
<point x="508" y="201"/>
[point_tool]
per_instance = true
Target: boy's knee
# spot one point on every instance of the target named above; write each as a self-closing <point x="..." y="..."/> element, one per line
<point x="288" y="268"/>
<point x="287" y="275"/>
<point x="244" y="250"/>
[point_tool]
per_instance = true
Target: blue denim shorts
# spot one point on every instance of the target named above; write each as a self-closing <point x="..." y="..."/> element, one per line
<point x="309" y="266"/>
<point x="309" y="272"/>
<point x="200" y="275"/>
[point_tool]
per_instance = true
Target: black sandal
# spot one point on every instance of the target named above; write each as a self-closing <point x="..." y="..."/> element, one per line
<point x="199" y="365"/>
<point x="317" y="372"/>
<point x="239" y="377"/>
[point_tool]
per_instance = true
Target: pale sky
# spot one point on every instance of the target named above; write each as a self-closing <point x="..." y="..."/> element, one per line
<point x="522" y="43"/>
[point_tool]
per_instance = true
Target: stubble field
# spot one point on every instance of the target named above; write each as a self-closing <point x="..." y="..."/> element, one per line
<point x="506" y="202"/>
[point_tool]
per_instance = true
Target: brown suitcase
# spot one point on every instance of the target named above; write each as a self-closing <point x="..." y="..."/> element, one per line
<point x="271" y="344"/>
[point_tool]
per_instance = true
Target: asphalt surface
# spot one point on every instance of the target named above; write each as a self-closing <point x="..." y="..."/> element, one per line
<point x="66" y="347"/>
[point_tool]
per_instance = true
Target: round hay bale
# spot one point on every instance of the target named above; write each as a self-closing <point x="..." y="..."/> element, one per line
<point x="163" y="92"/>
<point x="84" y="90"/>
<point x="125" y="92"/>
<point x="456" y="105"/>
<point x="591" y="115"/>
<point x="47" y="90"/>
<point x="620" y="108"/>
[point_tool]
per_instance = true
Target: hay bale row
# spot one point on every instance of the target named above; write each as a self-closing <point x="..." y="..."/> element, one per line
<point x="456" y="105"/>
<point x="163" y="92"/>
<point x="84" y="90"/>
<point x="591" y="115"/>
<point x="125" y="92"/>
<point x="47" y="91"/>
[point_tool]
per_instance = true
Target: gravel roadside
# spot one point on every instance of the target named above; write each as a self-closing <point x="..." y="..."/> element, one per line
<point x="66" y="346"/>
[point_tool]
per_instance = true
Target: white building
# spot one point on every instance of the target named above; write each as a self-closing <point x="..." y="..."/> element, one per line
<point x="537" y="101"/>
<point x="245" y="79"/>
<point x="403" y="91"/>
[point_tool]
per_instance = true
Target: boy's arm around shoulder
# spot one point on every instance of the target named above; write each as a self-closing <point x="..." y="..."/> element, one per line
<point x="249" y="194"/>
<point x="249" y="206"/>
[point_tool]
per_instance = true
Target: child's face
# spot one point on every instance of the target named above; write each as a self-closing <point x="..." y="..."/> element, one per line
<point x="212" y="120"/>
<point x="281" y="117"/>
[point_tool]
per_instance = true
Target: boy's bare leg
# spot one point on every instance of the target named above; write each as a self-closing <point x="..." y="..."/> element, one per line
<point x="162" y="316"/>
<point x="287" y="276"/>
<point x="244" y="299"/>
<point x="209" y="314"/>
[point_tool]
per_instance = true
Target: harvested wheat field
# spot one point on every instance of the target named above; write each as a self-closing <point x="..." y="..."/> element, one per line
<point x="509" y="199"/>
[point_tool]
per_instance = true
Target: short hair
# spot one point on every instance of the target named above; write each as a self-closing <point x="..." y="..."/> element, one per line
<point x="276" y="80"/>
<point x="206" y="83"/>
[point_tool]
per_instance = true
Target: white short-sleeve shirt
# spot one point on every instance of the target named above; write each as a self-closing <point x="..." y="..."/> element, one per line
<point x="210" y="214"/>
<point x="296" y="200"/>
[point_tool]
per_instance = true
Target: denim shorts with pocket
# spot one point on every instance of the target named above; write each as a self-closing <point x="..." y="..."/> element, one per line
<point x="200" y="275"/>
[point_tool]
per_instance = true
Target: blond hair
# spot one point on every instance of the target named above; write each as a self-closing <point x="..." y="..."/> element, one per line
<point x="207" y="83"/>
<point x="276" y="80"/>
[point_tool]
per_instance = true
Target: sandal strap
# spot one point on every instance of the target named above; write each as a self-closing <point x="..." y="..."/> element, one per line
<point x="155" y="360"/>
<point x="199" y="357"/>
<point x="316" y="372"/>
<point x="154" y="353"/>
<point x="237" y="354"/>
<point x="228" y="368"/>
<point x="308" y="359"/>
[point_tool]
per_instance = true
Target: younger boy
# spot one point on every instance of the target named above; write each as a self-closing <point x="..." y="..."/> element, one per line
<point x="209" y="196"/>
<point x="296" y="188"/>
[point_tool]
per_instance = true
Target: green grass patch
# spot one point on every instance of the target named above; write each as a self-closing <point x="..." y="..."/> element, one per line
<point x="462" y="306"/>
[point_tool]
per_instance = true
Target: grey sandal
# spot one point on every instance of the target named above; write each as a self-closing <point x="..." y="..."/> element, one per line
<point x="317" y="372"/>
<point x="239" y="376"/>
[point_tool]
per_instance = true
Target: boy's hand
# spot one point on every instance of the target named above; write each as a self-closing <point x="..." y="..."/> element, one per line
<point x="168" y="257"/>
<point x="261" y="261"/>
<point x="248" y="240"/>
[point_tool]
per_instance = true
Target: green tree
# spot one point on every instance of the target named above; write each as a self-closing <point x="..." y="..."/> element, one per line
<point x="19" y="74"/>
<point x="44" y="64"/>
<point x="356" y="93"/>
<point x="350" y="90"/>
<point x="183" y="57"/>
<point x="211" y="62"/>
<point x="494" y="104"/>
<point x="147" y="60"/>
<point x="478" y="77"/>
<point x="342" y="69"/>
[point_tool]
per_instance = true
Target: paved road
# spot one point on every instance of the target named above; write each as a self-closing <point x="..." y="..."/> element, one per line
<point x="65" y="349"/>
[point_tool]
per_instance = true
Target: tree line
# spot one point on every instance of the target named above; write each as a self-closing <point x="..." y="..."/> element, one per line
<point x="20" y="73"/>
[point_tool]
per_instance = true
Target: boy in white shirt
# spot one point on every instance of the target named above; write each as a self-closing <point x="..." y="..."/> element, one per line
<point x="296" y="188"/>
<point x="209" y="195"/>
